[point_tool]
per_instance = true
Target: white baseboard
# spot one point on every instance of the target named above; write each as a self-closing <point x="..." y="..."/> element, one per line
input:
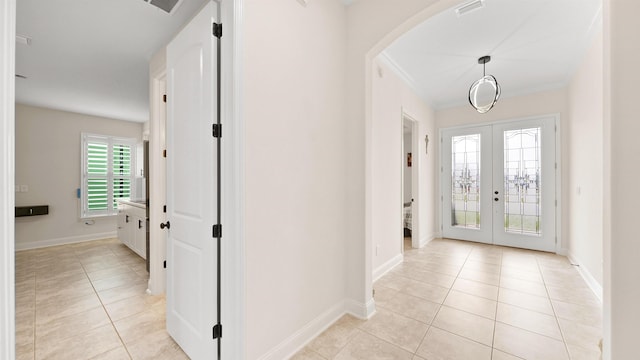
<point x="302" y="337"/>
<point x="429" y="238"/>
<point x="386" y="267"/>
<point x="360" y="310"/>
<point x="588" y="278"/>
<point x="65" y="240"/>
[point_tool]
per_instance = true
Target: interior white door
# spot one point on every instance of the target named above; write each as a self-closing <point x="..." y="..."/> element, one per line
<point x="191" y="184"/>
<point x="498" y="183"/>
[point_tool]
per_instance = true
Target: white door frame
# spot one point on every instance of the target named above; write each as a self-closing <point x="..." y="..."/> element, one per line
<point x="157" y="171"/>
<point x="7" y="175"/>
<point x="233" y="180"/>
<point x="558" y="174"/>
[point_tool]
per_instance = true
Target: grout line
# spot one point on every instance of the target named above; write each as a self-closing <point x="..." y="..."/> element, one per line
<point x="555" y="315"/>
<point x="495" y="318"/>
<point x="106" y="312"/>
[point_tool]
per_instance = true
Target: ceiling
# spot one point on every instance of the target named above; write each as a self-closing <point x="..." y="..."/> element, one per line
<point x="92" y="56"/>
<point x="534" y="45"/>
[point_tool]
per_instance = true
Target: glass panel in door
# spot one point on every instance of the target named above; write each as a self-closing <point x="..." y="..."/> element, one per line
<point x="522" y="166"/>
<point x="465" y="181"/>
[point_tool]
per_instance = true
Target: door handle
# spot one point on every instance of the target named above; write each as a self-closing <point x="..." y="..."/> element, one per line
<point x="126" y="218"/>
<point x="139" y="224"/>
<point x="165" y="225"/>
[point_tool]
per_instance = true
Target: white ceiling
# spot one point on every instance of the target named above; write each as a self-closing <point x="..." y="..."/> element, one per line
<point x="534" y="45"/>
<point x="92" y="56"/>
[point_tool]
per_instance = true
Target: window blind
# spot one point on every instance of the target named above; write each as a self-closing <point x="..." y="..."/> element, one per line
<point x="107" y="173"/>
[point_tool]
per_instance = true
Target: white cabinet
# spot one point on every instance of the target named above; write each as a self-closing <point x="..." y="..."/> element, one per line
<point x="132" y="227"/>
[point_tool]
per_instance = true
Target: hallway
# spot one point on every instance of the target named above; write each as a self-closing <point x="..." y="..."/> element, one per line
<point x="462" y="300"/>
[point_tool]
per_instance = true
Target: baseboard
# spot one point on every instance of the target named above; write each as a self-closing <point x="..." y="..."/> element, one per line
<point x="563" y="252"/>
<point x="360" y="310"/>
<point x="429" y="238"/>
<point x="588" y="278"/>
<point x="65" y="240"/>
<point x="302" y="337"/>
<point x="386" y="267"/>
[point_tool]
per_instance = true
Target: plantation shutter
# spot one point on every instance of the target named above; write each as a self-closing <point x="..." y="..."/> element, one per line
<point x="107" y="173"/>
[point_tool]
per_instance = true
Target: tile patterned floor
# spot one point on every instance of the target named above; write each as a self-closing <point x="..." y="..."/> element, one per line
<point x="462" y="300"/>
<point x="88" y="301"/>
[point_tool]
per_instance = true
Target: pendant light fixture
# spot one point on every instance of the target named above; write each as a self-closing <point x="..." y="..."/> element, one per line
<point x="484" y="92"/>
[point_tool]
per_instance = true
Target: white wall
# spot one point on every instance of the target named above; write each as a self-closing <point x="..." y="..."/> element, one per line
<point x="542" y="103"/>
<point x="622" y="151"/>
<point x="48" y="156"/>
<point x="585" y="166"/>
<point x="391" y="99"/>
<point x="295" y="170"/>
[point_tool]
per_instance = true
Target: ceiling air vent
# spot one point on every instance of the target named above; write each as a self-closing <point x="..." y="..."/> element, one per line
<point x="468" y="7"/>
<point x="167" y="6"/>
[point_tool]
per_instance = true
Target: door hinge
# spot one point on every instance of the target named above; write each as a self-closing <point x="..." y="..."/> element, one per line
<point x="217" y="331"/>
<point x="216" y="130"/>
<point x="217" y="30"/>
<point x="164" y="264"/>
<point x="217" y="231"/>
<point x="164" y="153"/>
<point x="164" y="97"/>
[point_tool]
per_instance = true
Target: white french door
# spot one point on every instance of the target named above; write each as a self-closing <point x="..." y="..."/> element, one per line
<point x="499" y="183"/>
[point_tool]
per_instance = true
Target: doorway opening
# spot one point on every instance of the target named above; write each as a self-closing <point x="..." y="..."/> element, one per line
<point x="410" y="238"/>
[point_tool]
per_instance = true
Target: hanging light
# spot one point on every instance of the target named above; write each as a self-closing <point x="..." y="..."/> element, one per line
<point x="484" y="92"/>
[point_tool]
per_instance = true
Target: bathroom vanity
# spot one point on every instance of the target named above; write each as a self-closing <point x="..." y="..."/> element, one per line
<point x="132" y="226"/>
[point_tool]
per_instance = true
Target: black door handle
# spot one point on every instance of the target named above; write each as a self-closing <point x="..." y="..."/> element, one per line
<point x="139" y="224"/>
<point x="165" y="225"/>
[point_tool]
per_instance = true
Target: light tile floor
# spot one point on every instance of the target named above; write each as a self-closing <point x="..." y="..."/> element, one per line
<point x="462" y="300"/>
<point x="88" y="301"/>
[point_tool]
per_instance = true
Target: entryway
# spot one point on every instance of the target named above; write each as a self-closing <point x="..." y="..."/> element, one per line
<point x="498" y="183"/>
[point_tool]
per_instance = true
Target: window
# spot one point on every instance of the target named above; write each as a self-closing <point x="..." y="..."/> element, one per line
<point x="107" y="173"/>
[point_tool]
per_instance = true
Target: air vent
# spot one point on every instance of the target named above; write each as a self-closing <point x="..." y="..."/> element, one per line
<point x="466" y="8"/>
<point x="168" y="6"/>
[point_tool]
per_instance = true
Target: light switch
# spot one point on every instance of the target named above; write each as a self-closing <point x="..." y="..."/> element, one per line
<point x="24" y="188"/>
